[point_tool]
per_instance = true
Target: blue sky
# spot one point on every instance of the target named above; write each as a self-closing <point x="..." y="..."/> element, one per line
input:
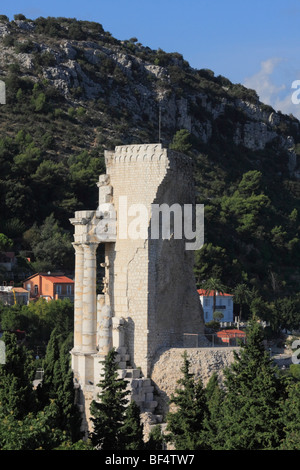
<point x="255" y="43"/>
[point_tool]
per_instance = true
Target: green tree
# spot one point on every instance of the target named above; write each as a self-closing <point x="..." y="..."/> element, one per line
<point x="243" y="296"/>
<point x="33" y="432"/>
<point x="250" y="417"/>
<point x="245" y="209"/>
<point x="5" y="242"/>
<point x="58" y="385"/>
<point x="51" y="245"/>
<point x="181" y="141"/>
<point x="186" y="426"/>
<point x="210" y="261"/>
<point x="215" y="396"/>
<point x="156" y="439"/>
<point x="217" y="316"/>
<point x="16" y="377"/>
<point x="132" y="429"/>
<point x="285" y="313"/>
<point x="108" y="413"/>
<point x="291" y="418"/>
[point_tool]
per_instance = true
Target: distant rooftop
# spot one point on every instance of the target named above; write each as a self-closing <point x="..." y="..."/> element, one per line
<point x="207" y="293"/>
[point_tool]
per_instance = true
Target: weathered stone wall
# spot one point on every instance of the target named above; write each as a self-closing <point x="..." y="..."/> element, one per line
<point x="203" y="363"/>
<point x="151" y="282"/>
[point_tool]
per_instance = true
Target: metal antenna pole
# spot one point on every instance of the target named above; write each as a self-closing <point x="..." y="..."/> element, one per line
<point x="159" y="125"/>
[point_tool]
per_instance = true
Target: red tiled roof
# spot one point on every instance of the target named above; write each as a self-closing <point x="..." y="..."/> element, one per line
<point x="55" y="279"/>
<point x="59" y="279"/>
<point x="207" y="293"/>
<point x="231" y="333"/>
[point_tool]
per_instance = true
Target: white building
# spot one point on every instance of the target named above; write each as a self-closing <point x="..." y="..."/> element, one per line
<point x="10" y="295"/>
<point x="224" y="304"/>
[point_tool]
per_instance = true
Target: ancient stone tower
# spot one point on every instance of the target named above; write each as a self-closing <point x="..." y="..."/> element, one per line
<point x="149" y="297"/>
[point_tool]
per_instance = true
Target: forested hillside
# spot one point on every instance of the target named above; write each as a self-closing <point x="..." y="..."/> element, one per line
<point x="72" y="91"/>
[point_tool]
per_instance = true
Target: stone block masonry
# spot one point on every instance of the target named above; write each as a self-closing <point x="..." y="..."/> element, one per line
<point x="152" y="283"/>
<point x="149" y="296"/>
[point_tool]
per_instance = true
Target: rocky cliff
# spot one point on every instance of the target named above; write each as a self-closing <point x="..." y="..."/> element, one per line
<point x="127" y="81"/>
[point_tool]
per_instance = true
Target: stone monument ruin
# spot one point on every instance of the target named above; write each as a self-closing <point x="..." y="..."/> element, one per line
<point x="149" y="297"/>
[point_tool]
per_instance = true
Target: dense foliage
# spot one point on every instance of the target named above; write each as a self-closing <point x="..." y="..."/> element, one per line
<point x="42" y="417"/>
<point x="257" y="408"/>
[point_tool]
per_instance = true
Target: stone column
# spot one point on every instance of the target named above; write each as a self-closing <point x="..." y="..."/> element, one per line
<point x="105" y="324"/>
<point x="78" y="296"/>
<point x="118" y="332"/>
<point x="89" y="320"/>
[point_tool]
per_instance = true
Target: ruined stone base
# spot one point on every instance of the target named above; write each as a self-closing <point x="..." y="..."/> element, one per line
<point x="91" y="367"/>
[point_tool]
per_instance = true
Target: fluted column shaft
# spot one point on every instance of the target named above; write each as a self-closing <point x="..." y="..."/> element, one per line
<point x="78" y="293"/>
<point x="89" y="320"/>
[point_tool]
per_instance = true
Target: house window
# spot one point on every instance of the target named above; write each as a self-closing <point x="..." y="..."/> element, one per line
<point x="36" y="290"/>
<point x="58" y="289"/>
<point x="206" y="302"/>
<point x="69" y="290"/>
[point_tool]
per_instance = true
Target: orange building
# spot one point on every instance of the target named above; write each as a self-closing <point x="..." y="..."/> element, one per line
<point x="49" y="286"/>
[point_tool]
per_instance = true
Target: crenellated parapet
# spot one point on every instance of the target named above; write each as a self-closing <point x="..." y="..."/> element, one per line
<point x="150" y="153"/>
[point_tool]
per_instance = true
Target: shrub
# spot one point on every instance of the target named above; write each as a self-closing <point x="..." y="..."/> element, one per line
<point x="19" y="17"/>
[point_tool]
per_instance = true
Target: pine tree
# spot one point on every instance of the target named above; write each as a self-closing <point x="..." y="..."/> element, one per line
<point x="156" y="439"/>
<point x="108" y="413"/>
<point x="16" y="378"/>
<point x="70" y="417"/>
<point x="215" y="396"/>
<point x="186" y="425"/>
<point x="291" y="418"/>
<point x="132" y="429"/>
<point x="250" y="415"/>
<point x="58" y="385"/>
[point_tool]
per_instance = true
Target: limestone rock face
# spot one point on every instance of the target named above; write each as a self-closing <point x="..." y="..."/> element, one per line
<point x="203" y="363"/>
<point x="136" y="80"/>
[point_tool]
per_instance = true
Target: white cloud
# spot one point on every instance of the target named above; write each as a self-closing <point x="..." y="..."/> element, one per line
<point x="262" y="82"/>
<point x="273" y="85"/>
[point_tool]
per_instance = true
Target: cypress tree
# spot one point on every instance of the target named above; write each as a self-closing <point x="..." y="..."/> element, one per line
<point x="215" y="396"/>
<point x="16" y="377"/>
<point x="108" y="412"/>
<point x="156" y="439"/>
<point x="58" y="385"/>
<point x="186" y="425"/>
<point x="250" y="418"/>
<point x="291" y="418"/>
<point x="132" y="429"/>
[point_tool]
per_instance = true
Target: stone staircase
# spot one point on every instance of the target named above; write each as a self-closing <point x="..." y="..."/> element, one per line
<point x="140" y="387"/>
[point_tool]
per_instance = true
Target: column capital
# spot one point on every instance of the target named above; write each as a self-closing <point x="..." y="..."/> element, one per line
<point x="90" y="247"/>
<point x="77" y="246"/>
